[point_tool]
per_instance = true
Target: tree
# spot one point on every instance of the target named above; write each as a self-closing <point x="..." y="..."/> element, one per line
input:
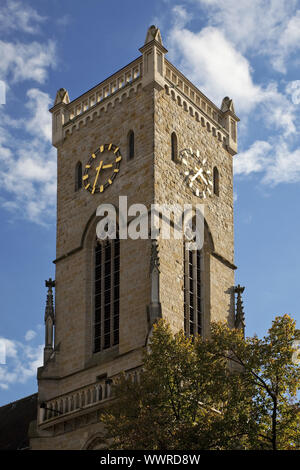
<point x="223" y="393"/>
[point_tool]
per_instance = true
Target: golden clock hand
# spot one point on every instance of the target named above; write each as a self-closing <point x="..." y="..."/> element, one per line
<point x="197" y="174"/>
<point x="97" y="175"/>
<point x="107" y="166"/>
<point x="203" y="179"/>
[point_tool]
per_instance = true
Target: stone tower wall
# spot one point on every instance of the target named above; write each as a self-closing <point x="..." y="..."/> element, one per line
<point x="152" y="98"/>
<point x="218" y="211"/>
<point x="76" y="234"/>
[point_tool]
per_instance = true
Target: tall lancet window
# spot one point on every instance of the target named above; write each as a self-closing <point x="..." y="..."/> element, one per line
<point x="107" y="294"/>
<point x="193" y="292"/>
<point x="216" y="181"/>
<point x="130" y="145"/>
<point x="174" y="149"/>
<point x="78" y="176"/>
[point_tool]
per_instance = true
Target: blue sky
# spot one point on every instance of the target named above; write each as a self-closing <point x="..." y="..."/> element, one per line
<point x="248" y="50"/>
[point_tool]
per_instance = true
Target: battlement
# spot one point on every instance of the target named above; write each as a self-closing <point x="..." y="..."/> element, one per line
<point x="150" y="69"/>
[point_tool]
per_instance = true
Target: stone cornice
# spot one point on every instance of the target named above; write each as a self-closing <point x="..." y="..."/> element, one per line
<point x="152" y="43"/>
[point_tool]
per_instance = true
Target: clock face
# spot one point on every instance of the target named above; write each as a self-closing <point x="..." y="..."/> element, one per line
<point x="197" y="174"/>
<point x="102" y="168"/>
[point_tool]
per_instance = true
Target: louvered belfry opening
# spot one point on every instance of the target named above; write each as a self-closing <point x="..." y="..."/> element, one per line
<point x="193" y="301"/>
<point x="107" y="294"/>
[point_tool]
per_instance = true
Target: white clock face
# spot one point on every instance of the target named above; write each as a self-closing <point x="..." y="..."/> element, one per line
<point x="197" y="175"/>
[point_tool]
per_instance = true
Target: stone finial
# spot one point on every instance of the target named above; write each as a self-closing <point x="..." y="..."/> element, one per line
<point x="230" y="124"/>
<point x="153" y="60"/>
<point x="227" y="105"/>
<point x="239" y="315"/>
<point x="154" y="260"/>
<point x="153" y="33"/>
<point x="60" y="115"/>
<point x="154" y="309"/>
<point x="62" y="96"/>
<point x="49" y="310"/>
<point x="49" y="321"/>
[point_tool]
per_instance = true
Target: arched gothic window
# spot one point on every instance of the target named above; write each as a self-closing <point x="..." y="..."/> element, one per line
<point x="216" y="179"/>
<point x="174" y="147"/>
<point x="106" y="294"/>
<point x="130" y="145"/>
<point x="193" y="292"/>
<point x="78" y="176"/>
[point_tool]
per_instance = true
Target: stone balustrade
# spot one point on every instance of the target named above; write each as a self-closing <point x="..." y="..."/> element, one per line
<point x="105" y="90"/>
<point x="112" y="90"/>
<point x="77" y="400"/>
<point x="81" y="399"/>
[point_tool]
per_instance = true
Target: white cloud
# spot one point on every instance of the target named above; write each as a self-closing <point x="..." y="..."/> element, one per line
<point x="2" y="92"/>
<point x="249" y="23"/>
<point x="22" y="362"/>
<point x="293" y="89"/>
<point x="28" y="165"/>
<point x="213" y="63"/>
<point x="181" y="16"/>
<point x="30" y="179"/>
<point x="10" y="347"/>
<point x="30" y="334"/>
<point x="254" y="159"/>
<point x="17" y="16"/>
<point x="211" y="59"/>
<point x="284" y="167"/>
<point x="64" y="20"/>
<point x="278" y="111"/>
<point x="40" y="122"/>
<point x="276" y="162"/>
<point x="28" y="162"/>
<point x="289" y="42"/>
<point x="21" y="61"/>
<point x="291" y="33"/>
<point x="267" y="27"/>
<point x="219" y="69"/>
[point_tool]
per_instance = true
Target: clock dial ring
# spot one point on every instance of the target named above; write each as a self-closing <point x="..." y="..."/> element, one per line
<point x="92" y="172"/>
<point x="196" y="174"/>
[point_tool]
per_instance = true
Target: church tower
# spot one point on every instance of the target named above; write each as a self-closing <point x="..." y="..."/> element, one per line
<point x="145" y="135"/>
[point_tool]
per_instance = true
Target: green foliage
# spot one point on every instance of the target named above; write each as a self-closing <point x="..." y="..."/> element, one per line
<point x="223" y="393"/>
